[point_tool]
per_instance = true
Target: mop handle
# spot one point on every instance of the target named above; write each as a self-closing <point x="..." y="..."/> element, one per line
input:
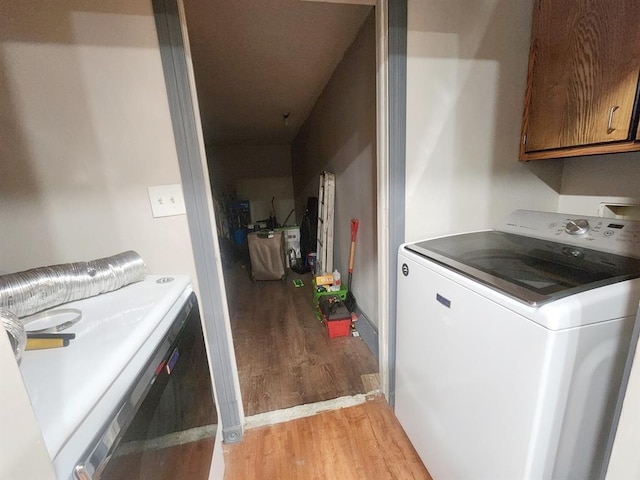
<point x="354" y="232"/>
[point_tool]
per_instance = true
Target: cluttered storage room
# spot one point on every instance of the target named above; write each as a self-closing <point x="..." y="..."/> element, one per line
<point x="290" y="132"/>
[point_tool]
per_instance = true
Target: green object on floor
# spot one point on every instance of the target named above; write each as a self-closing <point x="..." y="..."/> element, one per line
<point x="298" y="283"/>
<point x="342" y="293"/>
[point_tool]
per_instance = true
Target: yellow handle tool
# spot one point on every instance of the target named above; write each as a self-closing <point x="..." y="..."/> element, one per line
<point x="44" y="343"/>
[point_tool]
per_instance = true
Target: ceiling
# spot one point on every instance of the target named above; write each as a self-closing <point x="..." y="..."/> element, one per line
<point x="255" y="61"/>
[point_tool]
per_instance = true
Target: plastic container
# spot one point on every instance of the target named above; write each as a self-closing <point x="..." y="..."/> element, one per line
<point x="239" y="236"/>
<point x="312" y="259"/>
<point x="337" y="283"/>
<point x="338" y="328"/>
<point x="342" y="293"/>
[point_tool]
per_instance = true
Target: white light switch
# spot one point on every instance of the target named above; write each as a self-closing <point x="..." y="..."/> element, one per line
<point x="166" y="200"/>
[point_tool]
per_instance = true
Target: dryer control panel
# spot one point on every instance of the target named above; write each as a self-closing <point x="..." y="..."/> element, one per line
<point x="617" y="236"/>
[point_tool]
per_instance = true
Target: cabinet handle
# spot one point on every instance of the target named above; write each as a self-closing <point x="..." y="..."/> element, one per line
<point x="610" y="128"/>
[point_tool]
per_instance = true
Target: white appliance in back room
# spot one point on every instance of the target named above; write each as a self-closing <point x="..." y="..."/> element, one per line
<point x="511" y="345"/>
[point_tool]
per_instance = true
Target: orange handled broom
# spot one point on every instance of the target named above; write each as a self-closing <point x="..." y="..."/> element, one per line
<point x="350" y="301"/>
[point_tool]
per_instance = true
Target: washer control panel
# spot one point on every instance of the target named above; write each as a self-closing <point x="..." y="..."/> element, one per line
<point x="618" y="236"/>
<point x="579" y="226"/>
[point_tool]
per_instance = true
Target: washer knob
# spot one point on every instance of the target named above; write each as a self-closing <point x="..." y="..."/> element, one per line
<point x="579" y="226"/>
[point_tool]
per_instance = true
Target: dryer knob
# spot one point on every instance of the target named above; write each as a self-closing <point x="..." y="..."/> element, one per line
<point x="579" y="226"/>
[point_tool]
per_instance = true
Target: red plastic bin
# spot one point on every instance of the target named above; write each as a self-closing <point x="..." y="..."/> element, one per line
<point x="338" y="328"/>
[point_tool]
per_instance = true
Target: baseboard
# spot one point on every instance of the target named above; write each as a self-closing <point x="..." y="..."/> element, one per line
<point x="368" y="332"/>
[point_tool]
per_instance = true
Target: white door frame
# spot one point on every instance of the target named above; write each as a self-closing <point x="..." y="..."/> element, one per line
<point x="185" y="120"/>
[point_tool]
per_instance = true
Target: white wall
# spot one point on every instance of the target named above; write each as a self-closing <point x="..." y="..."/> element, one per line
<point x="340" y="136"/>
<point x="467" y="66"/>
<point x="85" y="129"/>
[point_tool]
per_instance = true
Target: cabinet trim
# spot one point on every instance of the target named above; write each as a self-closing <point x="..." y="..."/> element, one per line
<point x="581" y="150"/>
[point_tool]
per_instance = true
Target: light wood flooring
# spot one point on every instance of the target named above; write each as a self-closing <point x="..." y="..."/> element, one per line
<point x="363" y="442"/>
<point x="283" y="352"/>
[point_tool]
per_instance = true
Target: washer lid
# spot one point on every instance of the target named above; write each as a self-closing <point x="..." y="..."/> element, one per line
<point x="531" y="270"/>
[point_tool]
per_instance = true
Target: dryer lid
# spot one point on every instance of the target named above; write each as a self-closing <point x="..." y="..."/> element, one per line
<point x="531" y="270"/>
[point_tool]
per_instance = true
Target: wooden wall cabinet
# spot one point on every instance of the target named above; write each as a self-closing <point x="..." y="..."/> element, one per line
<point x="582" y="86"/>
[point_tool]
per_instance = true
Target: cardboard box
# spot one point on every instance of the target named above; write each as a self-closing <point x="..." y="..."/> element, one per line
<point x="324" y="279"/>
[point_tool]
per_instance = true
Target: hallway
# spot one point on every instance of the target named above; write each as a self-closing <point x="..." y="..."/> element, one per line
<point x="283" y="352"/>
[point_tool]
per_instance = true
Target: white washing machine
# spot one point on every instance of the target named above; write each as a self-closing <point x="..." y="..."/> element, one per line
<point x="511" y="344"/>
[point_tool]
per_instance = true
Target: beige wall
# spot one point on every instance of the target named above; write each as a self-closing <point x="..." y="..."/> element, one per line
<point x="340" y="136"/>
<point x="85" y="128"/>
<point x="467" y="66"/>
<point x="229" y="163"/>
<point x="589" y="181"/>
<point x="256" y="173"/>
<point x="268" y="196"/>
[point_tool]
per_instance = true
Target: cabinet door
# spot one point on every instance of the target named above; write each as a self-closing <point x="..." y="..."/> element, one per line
<point x="583" y="72"/>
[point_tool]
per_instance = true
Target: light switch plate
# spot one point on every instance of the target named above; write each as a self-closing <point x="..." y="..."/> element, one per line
<point x="166" y="200"/>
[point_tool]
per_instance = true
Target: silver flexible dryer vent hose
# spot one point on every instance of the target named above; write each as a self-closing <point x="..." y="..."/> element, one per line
<point x="28" y="292"/>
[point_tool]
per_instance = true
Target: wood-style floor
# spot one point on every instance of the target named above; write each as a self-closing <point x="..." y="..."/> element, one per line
<point x="178" y="462"/>
<point x="285" y="359"/>
<point x="363" y="442"/>
<point x="283" y="352"/>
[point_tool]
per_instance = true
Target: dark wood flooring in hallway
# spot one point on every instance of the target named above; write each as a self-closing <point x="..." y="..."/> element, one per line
<point x="283" y="352"/>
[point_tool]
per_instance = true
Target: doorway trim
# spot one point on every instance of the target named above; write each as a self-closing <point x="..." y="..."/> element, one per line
<point x="392" y="128"/>
<point x="169" y="18"/>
